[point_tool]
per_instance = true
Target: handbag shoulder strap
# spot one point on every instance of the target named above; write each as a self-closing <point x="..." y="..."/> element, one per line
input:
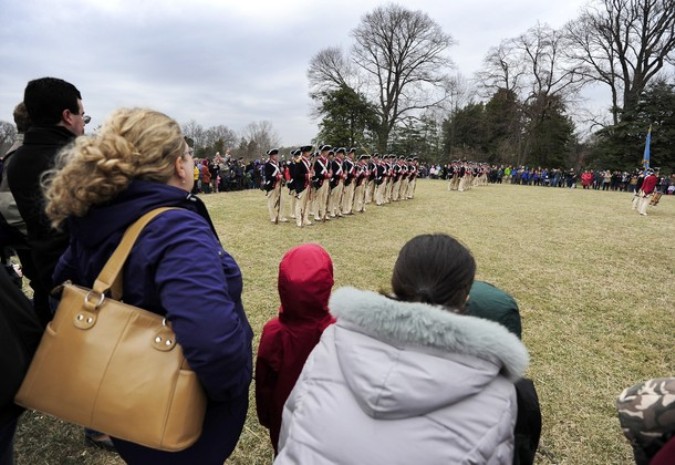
<point x="110" y="277"/>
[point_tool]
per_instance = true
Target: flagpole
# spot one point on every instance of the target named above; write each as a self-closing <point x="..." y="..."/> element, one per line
<point x="647" y="155"/>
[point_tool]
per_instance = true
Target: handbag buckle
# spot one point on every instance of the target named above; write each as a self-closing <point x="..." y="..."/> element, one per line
<point x="86" y="318"/>
<point x="88" y="302"/>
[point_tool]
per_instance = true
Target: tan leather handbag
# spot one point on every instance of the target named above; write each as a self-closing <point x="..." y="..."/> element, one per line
<point x="114" y="367"/>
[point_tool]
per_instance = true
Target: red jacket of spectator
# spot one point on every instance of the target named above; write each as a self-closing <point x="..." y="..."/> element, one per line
<point x="586" y="178"/>
<point x="305" y="283"/>
<point x="665" y="456"/>
<point x="206" y="174"/>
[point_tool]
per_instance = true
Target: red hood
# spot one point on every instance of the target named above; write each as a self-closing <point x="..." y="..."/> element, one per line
<point x="305" y="283"/>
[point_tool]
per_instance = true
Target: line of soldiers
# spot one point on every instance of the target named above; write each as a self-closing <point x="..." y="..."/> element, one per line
<point x="330" y="184"/>
<point x="465" y="175"/>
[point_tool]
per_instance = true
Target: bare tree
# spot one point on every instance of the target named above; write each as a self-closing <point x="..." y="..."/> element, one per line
<point x="536" y="76"/>
<point x="501" y="70"/>
<point x="624" y="44"/>
<point x="258" y="138"/>
<point x="547" y="71"/>
<point x="461" y="90"/>
<point x="195" y="131"/>
<point x="397" y="61"/>
<point x="329" y="70"/>
<point x="402" y="52"/>
<point x="220" y="137"/>
<point x="531" y="65"/>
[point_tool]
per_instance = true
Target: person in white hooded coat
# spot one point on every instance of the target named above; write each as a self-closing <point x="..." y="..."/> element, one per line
<point x="408" y="379"/>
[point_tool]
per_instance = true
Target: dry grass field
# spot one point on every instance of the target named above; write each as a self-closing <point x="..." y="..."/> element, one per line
<point x="594" y="280"/>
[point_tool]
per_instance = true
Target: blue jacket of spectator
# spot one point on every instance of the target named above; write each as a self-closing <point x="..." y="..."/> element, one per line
<point x="179" y="269"/>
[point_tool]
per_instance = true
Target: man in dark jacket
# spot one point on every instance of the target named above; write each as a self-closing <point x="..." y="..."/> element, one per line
<point x="57" y="115"/>
<point x="20" y="333"/>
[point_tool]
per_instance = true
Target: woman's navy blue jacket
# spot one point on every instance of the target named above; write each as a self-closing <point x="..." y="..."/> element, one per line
<point x="177" y="269"/>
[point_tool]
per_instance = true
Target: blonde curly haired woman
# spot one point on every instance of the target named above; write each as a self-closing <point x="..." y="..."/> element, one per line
<point x="101" y="184"/>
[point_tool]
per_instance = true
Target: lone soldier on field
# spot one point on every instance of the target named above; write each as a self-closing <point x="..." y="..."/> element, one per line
<point x="648" y="187"/>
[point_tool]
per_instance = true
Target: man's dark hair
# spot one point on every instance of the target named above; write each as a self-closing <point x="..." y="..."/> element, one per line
<point x="21" y="118"/>
<point x="435" y="269"/>
<point x="46" y="98"/>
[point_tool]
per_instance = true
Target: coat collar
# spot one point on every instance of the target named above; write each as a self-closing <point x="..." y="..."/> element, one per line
<point x="101" y="221"/>
<point x="421" y="325"/>
<point x="48" y="135"/>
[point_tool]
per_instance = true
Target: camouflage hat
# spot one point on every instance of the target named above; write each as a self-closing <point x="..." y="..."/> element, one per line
<point x="647" y="415"/>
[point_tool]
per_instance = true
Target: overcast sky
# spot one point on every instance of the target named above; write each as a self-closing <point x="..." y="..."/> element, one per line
<point x="229" y="62"/>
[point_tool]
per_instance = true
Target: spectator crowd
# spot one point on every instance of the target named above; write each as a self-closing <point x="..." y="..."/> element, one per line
<point x="428" y="371"/>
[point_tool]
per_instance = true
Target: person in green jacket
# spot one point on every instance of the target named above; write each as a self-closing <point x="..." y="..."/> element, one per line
<point x="491" y="303"/>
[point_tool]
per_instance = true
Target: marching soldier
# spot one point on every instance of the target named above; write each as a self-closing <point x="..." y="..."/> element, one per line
<point x="463" y="177"/>
<point x="360" y="181"/>
<point x="396" y="183"/>
<point x="638" y="189"/>
<point x="648" y="187"/>
<point x="371" y="171"/>
<point x="458" y="166"/>
<point x="288" y="175"/>
<point x="272" y="186"/>
<point x="484" y="170"/>
<point x="380" y="182"/>
<point x="302" y="175"/>
<point x="336" y="183"/>
<point x="412" y="178"/>
<point x="389" y="177"/>
<point x="402" y="195"/>
<point x="475" y="173"/>
<point x="660" y="189"/>
<point x="320" y="184"/>
<point x="349" y="170"/>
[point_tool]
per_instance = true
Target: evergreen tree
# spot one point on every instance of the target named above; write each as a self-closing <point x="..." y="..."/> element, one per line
<point x="347" y="117"/>
<point x="621" y="146"/>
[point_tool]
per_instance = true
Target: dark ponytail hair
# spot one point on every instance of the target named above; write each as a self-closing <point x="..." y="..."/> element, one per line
<point x="434" y="269"/>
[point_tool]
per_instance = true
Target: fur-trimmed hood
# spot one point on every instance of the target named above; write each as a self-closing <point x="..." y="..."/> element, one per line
<point x="402" y="359"/>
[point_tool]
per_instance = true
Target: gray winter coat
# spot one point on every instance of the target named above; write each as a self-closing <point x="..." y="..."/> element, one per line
<point x="404" y="383"/>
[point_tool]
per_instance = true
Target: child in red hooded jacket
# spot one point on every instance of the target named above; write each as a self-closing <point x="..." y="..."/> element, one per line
<point x="305" y="284"/>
